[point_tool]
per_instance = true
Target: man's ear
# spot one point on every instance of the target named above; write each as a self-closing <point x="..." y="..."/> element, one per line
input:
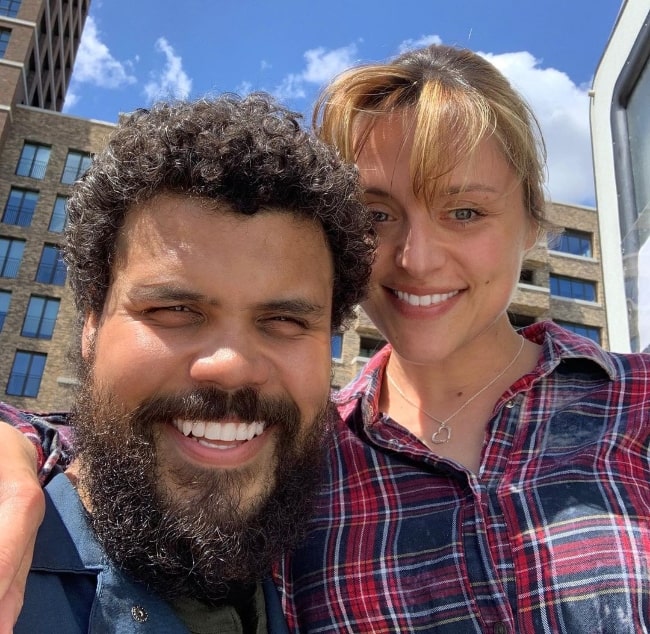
<point x="88" y="334"/>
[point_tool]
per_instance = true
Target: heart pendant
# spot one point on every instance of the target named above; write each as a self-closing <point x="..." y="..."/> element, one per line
<point x="442" y="435"/>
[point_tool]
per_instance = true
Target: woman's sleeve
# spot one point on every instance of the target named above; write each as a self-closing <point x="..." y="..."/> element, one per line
<point x="50" y="434"/>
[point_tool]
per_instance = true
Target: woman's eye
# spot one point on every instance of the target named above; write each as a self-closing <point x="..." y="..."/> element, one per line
<point x="463" y="214"/>
<point x="379" y="216"/>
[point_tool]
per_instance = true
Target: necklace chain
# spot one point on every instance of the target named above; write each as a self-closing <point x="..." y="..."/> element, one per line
<point x="443" y="434"/>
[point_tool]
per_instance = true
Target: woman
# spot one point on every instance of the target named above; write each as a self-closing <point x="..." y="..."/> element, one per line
<point x="483" y="479"/>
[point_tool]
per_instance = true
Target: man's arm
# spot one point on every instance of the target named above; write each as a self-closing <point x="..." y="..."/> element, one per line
<point x="22" y="505"/>
<point x="30" y="451"/>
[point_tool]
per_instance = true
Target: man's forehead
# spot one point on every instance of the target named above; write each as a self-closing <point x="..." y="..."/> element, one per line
<point x="179" y="247"/>
<point x="176" y="212"/>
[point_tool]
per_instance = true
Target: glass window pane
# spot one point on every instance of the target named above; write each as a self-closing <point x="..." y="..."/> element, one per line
<point x="9" y="8"/>
<point x="51" y="268"/>
<point x="11" y="253"/>
<point x="5" y="35"/>
<point x="75" y="165"/>
<point x="20" y="207"/>
<point x="59" y="215"/>
<point x="5" y="300"/>
<point x="573" y="288"/>
<point x="337" y="346"/>
<point x="33" y="160"/>
<point x="26" y="374"/>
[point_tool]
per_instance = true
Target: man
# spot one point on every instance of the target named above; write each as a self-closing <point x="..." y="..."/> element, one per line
<point x="212" y="247"/>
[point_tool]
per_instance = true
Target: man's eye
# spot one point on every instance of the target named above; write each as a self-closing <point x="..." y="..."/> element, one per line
<point x="289" y="320"/>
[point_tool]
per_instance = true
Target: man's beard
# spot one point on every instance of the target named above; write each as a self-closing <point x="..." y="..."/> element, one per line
<point x="204" y="544"/>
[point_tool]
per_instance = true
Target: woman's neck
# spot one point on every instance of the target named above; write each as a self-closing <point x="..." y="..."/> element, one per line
<point x="447" y="403"/>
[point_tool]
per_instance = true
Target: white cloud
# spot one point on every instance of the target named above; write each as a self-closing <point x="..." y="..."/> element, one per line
<point x="96" y="65"/>
<point x="321" y="67"/>
<point x="244" y="88"/>
<point x="172" y="81"/>
<point x="425" y="40"/>
<point x="562" y="109"/>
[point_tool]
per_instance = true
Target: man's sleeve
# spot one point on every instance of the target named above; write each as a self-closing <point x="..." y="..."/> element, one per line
<point x="50" y="434"/>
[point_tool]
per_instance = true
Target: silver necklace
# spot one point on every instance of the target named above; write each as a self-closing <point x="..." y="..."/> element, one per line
<point x="443" y="434"/>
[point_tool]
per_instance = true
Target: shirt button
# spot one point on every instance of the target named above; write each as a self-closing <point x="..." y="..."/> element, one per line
<point x="500" y="628"/>
<point x="139" y="614"/>
<point x="510" y="404"/>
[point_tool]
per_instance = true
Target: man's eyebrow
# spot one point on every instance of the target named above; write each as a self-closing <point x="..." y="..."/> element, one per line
<point x="164" y="293"/>
<point x="295" y="306"/>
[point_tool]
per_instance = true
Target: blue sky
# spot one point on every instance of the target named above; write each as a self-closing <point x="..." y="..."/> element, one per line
<point x="137" y="51"/>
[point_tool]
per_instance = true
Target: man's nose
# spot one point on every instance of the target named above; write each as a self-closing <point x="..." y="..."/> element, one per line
<point x="231" y="365"/>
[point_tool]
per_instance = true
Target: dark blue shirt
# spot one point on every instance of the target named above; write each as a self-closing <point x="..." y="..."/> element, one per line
<point x="73" y="587"/>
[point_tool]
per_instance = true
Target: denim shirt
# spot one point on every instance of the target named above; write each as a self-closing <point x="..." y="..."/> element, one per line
<point x="73" y="587"/>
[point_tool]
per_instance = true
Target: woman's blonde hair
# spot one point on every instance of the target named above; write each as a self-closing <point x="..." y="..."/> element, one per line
<point x="454" y="99"/>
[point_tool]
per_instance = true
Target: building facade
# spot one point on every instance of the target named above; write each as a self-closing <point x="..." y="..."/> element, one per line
<point x="42" y="152"/>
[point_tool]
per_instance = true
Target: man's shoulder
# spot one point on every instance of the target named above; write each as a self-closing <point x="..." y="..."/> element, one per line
<point x="61" y="586"/>
<point x="72" y="586"/>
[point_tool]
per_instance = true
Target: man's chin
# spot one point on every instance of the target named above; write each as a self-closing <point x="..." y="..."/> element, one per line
<point x="244" y="475"/>
<point x="232" y="495"/>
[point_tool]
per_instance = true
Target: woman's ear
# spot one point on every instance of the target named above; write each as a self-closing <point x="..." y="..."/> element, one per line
<point x="535" y="233"/>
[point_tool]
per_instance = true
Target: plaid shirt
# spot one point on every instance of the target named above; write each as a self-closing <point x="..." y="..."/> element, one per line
<point x="552" y="534"/>
<point x="49" y="434"/>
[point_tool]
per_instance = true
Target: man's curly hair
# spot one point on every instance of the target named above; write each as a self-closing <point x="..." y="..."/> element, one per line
<point x="249" y="154"/>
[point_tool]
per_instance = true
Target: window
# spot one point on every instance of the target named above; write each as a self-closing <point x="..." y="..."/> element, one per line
<point x="59" y="216"/>
<point x="26" y="373"/>
<point x="369" y="345"/>
<point x="9" y="7"/>
<point x="33" y="160"/>
<point x="572" y="287"/>
<point x="520" y="321"/>
<point x="591" y="332"/>
<point x="20" y="207"/>
<point x="75" y="165"/>
<point x="51" y="268"/>
<point x="337" y="345"/>
<point x="5" y="300"/>
<point x="40" y="317"/>
<point x="574" y="242"/>
<point x="526" y="276"/>
<point x="5" y="34"/>
<point x="11" y="253"/>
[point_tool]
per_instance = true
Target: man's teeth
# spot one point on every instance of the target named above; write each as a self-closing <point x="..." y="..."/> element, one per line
<point x="424" y="300"/>
<point x="219" y="431"/>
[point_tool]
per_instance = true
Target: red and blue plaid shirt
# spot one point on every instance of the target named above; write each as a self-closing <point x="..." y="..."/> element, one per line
<point x="551" y="535"/>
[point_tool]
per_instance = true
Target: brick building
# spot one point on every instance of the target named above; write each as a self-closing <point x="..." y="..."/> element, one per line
<point x="41" y="153"/>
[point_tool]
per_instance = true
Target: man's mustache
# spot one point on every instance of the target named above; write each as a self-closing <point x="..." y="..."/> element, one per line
<point x="212" y="404"/>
